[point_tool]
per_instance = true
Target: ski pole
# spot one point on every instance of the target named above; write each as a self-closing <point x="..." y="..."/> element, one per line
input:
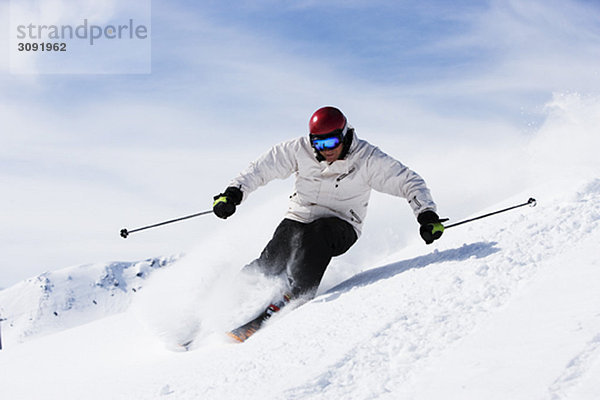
<point x="531" y="202"/>
<point x="125" y="232"/>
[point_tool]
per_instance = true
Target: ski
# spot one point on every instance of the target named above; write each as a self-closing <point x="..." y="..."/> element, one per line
<point x="186" y="345"/>
<point x="242" y="333"/>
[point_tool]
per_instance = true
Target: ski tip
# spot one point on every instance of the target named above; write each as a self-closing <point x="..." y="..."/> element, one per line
<point x="242" y="333"/>
<point x="178" y="347"/>
<point x="235" y="337"/>
<point x="186" y="346"/>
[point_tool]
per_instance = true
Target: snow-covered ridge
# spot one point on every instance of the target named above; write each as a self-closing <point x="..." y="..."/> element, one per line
<point x="69" y="297"/>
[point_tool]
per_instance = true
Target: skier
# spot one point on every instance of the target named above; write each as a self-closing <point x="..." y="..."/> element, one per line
<point x="334" y="174"/>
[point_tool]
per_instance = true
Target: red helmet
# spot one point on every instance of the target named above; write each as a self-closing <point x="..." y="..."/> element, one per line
<point x="326" y="121"/>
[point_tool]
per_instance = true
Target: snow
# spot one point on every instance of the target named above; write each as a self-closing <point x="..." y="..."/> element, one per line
<point x="58" y="300"/>
<point x="503" y="308"/>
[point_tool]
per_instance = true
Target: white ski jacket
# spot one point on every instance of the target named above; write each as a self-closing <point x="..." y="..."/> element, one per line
<point x="340" y="189"/>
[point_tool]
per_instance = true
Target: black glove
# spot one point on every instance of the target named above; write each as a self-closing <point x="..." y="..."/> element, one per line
<point x="224" y="205"/>
<point x="431" y="226"/>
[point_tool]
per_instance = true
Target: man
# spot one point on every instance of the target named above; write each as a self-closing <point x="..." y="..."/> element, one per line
<point x="334" y="174"/>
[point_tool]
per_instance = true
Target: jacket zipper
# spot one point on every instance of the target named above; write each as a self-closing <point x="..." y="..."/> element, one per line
<point x="339" y="178"/>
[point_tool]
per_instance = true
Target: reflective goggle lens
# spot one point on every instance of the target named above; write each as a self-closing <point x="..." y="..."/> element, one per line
<point x="326" y="144"/>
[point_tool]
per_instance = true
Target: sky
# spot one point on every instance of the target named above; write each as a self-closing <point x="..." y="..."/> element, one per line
<point x="455" y="91"/>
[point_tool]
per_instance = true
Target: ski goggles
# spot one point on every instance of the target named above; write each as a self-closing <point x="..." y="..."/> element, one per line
<point x="326" y="143"/>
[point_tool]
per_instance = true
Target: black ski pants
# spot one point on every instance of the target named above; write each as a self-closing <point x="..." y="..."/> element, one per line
<point x="301" y="252"/>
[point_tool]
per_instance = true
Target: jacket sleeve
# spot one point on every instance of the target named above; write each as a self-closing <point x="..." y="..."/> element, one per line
<point x="390" y="176"/>
<point x="277" y="163"/>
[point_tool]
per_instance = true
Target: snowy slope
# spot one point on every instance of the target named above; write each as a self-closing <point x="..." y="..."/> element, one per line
<point x="503" y="308"/>
<point x="62" y="299"/>
<point x="506" y="309"/>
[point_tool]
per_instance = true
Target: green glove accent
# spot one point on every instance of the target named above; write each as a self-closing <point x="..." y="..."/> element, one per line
<point x="437" y="227"/>
<point x="222" y="199"/>
<point x="431" y="231"/>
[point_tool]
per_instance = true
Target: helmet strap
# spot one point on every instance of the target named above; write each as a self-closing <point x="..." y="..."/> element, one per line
<point x="348" y="137"/>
